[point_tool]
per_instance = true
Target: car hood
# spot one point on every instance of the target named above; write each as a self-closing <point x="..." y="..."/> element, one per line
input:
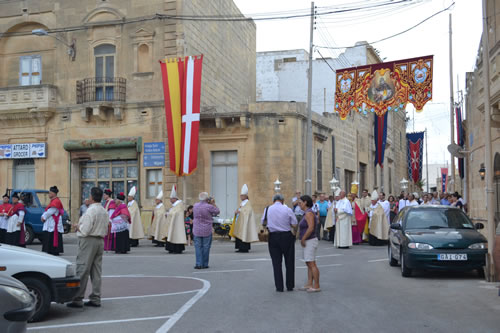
<point x="446" y="238"/>
<point x="20" y="251"/>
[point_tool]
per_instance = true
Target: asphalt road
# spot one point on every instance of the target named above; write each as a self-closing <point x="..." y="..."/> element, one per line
<point x="149" y="290"/>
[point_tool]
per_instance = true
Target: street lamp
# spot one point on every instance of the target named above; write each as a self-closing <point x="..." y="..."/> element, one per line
<point x="277" y="186"/>
<point x="334" y="184"/>
<point x="404" y="184"/>
<point x="71" y="47"/>
<point x="482" y="171"/>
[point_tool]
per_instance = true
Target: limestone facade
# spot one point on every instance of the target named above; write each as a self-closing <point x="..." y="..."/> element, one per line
<point x="474" y="124"/>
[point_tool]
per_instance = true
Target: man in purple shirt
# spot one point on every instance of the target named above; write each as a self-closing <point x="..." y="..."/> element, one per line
<point x="203" y="213"/>
<point x="279" y="220"/>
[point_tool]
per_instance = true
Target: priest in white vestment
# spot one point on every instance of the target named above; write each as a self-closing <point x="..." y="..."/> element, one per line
<point x="136" y="228"/>
<point x="343" y="225"/>
<point x="379" y="225"/>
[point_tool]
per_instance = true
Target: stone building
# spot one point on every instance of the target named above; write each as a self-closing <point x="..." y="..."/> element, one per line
<point x="82" y="121"/>
<point x="282" y="76"/>
<point x="474" y="123"/>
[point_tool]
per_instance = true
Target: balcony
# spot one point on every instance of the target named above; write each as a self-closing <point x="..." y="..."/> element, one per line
<point x="28" y="102"/>
<point x="101" y="89"/>
<point x="100" y="95"/>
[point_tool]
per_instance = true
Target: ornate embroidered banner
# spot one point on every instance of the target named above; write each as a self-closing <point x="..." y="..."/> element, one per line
<point x="383" y="87"/>
<point x="415" y="155"/>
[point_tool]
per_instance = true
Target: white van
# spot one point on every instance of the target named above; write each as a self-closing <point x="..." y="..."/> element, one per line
<point x="49" y="278"/>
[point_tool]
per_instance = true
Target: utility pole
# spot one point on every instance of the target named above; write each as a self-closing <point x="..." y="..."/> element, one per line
<point x="309" y="154"/>
<point x="426" y="161"/>
<point x="487" y="145"/>
<point x="452" y="113"/>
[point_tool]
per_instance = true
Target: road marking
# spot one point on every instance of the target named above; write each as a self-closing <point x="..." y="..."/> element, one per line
<point x="256" y="259"/>
<point x="178" y="315"/>
<point x="332" y="265"/>
<point x="152" y="295"/>
<point x="97" y="322"/>
<point x="330" y="255"/>
<point x="227" y="271"/>
<point x="376" y="260"/>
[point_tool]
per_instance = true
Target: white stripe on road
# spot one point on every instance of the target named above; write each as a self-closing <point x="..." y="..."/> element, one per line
<point x="227" y="271"/>
<point x="256" y="259"/>
<point x="101" y="322"/>
<point x="178" y="315"/>
<point x="152" y="295"/>
<point x="330" y="255"/>
<point x="376" y="260"/>
<point x="319" y="266"/>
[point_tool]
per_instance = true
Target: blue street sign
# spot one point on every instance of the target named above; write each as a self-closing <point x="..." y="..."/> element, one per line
<point x="154" y="160"/>
<point x="154" y="147"/>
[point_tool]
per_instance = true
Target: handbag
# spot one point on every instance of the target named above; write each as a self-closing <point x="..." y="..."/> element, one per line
<point x="264" y="232"/>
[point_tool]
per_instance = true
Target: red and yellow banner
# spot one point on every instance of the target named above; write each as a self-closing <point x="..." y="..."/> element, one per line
<point x="182" y="91"/>
<point x="383" y="87"/>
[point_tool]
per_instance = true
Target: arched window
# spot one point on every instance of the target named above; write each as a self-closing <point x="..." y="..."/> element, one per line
<point x="104" y="55"/>
<point x="143" y="59"/>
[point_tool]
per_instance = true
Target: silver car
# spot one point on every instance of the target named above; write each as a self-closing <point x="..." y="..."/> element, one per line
<point x="17" y="305"/>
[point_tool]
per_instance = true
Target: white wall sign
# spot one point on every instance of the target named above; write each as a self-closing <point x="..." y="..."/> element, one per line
<point x="23" y="150"/>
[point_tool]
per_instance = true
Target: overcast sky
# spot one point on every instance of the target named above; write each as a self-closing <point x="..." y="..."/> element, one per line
<point x="429" y="38"/>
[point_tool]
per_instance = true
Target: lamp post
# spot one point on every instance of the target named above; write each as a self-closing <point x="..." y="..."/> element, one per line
<point x="482" y="171"/>
<point x="277" y="186"/>
<point x="71" y="47"/>
<point x="404" y="184"/>
<point x="334" y="184"/>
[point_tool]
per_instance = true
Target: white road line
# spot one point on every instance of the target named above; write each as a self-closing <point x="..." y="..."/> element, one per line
<point x="152" y="295"/>
<point x="330" y="255"/>
<point x="256" y="259"/>
<point x="227" y="271"/>
<point x="376" y="260"/>
<point x="178" y="315"/>
<point x="319" y="266"/>
<point x="97" y="323"/>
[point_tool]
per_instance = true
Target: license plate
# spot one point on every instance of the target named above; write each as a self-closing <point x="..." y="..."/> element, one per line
<point x="453" y="256"/>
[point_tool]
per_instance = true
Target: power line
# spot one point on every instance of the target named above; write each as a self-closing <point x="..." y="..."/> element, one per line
<point x="325" y="60"/>
<point x="397" y="34"/>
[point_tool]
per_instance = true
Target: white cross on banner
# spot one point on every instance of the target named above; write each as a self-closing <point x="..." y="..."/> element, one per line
<point x="191" y="114"/>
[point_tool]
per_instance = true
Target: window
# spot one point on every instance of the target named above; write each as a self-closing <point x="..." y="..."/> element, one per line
<point x="30" y="70"/>
<point x="104" y="71"/>
<point x="319" y="170"/>
<point x="119" y="176"/>
<point x="155" y="182"/>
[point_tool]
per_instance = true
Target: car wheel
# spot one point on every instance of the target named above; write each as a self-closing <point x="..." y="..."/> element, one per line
<point x="480" y="272"/>
<point x="29" y="235"/>
<point x="392" y="262"/>
<point x="405" y="270"/>
<point x="42" y="295"/>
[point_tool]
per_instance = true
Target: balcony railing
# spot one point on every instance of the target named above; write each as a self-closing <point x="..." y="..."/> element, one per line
<point x="101" y="89"/>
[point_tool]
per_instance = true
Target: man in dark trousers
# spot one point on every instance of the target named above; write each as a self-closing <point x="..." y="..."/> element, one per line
<point x="279" y="220"/>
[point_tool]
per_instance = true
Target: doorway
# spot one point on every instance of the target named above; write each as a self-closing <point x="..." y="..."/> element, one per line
<point x="224" y="186"/>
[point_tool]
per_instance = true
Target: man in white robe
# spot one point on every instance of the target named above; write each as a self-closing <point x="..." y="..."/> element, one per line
<point x="386" y="205"/>
<point x="175" y="235"/>
<point x="136" y="228"/>
<point x="158" y="220"/>
<point x="412" y="200"/>
<point x="343" y="225"/>
<point x="246" y="227"/>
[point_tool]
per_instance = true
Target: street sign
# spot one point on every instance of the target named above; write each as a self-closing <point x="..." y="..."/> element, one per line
<point x="154" y="147"/>
<point x="23" y="151"/>
<point x="154" y="160"/>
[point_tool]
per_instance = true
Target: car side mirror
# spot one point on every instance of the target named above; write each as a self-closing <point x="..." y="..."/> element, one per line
<point x="479" y="226"/>
<point x="396" y="226"/>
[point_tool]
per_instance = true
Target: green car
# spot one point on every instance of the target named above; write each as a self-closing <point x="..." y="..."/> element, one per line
<point x="436" y="237"/>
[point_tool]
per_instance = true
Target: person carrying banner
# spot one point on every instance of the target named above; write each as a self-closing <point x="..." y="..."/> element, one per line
<point x="246" y="226"/>
<point x="52" y="224"/>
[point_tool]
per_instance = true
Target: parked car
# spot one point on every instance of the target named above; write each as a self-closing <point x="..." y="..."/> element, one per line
<point x="16" y="307"/>
<point x="35" y="202"/>
<point x="47" y="277"/>
<point x="436" y="237"/>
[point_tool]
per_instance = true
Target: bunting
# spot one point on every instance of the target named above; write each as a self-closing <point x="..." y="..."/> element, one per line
<point x="380" y="138"/>
<point x="383" y="87"/>
<point x="182" y="90"/>
<point x="460" y="139"/>
<point x="415" y="155"/>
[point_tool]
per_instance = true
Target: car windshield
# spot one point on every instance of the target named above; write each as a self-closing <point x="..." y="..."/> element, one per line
<point x="437" y="218"/>
<point x="44" y="198"/>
